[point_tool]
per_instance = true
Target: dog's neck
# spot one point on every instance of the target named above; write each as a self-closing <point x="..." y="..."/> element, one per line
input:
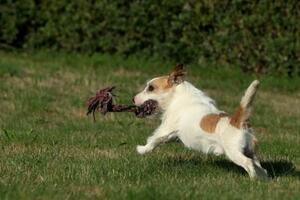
<point x="185" y="96"/>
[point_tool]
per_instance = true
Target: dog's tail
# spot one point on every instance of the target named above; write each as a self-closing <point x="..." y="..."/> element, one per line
<point x="239" y="119"/>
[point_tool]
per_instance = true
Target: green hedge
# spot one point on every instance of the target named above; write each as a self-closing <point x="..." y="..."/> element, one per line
<point x="259" y="36"/>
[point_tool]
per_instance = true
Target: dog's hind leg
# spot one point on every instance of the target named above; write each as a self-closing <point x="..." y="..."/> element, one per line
<point x="258" y="168"/>
<point x="253" y="168"/>
<point x="161" y="135"/>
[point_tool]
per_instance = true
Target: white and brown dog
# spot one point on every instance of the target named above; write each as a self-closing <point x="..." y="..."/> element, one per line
<point x="192" y="116"/>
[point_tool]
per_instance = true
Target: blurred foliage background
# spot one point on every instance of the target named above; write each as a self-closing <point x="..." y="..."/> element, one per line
<point x="256" y="36"/>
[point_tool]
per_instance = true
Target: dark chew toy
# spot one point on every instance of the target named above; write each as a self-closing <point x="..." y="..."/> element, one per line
<point x="103" y="102"/>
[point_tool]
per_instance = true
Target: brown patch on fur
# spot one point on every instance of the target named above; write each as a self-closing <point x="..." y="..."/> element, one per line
<point x="161" y="83"/>
<point x="240" y="119"/>
<point x="177" y="75"/>
<point x="209" y="122"/>
<point x="237" y="119"/>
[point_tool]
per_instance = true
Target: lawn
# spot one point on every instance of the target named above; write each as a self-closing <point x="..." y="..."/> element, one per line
<point x="51" y="150"/>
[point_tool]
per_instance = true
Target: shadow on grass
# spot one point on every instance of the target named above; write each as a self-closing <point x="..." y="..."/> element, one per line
<point x="279" y="168"/>
<point x="276" y="168"/>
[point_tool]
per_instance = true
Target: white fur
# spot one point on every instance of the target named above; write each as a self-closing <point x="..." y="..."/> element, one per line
<point x="249" y="94"/>
<point x="183" y="107"/>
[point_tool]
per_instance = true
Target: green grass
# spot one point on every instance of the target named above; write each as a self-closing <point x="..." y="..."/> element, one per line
<point x="51" y="150"/>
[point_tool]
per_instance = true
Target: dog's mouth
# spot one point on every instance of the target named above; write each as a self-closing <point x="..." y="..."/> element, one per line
<point x="149" y="107"/>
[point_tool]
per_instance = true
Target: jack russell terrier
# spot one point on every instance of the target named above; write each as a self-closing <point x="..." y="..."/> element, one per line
<point x="192" y="116"/>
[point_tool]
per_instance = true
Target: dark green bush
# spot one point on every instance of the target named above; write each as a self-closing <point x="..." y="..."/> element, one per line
<point x="258" y="36"/>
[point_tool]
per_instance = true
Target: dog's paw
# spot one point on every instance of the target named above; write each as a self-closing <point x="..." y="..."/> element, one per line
<point x="141" y="149"/>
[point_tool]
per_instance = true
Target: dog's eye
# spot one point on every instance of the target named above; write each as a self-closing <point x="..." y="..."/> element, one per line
<point x="150" y="88"/>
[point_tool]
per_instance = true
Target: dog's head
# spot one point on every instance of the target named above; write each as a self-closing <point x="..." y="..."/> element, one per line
<point x="161" y="88"/>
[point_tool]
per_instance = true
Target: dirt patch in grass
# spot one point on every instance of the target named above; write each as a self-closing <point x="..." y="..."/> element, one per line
<point x="126" y="73"/>
<point x="62" y="151"/>
<point x="89" y="191"/>
<point x="7" y="106"/>
<point x="286" y="105"/>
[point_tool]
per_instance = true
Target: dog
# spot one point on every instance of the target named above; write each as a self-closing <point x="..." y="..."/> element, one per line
<point x="191" y="116"/>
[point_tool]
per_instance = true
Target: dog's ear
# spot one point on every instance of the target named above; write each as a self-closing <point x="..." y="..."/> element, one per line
<point x="177" y="75"/>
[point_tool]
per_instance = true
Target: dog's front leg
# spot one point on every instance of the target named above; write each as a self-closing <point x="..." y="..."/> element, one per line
<point x="161" y="135"/>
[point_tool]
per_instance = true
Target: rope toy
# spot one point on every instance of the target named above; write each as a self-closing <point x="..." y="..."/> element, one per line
<point x="103" y="102"/>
